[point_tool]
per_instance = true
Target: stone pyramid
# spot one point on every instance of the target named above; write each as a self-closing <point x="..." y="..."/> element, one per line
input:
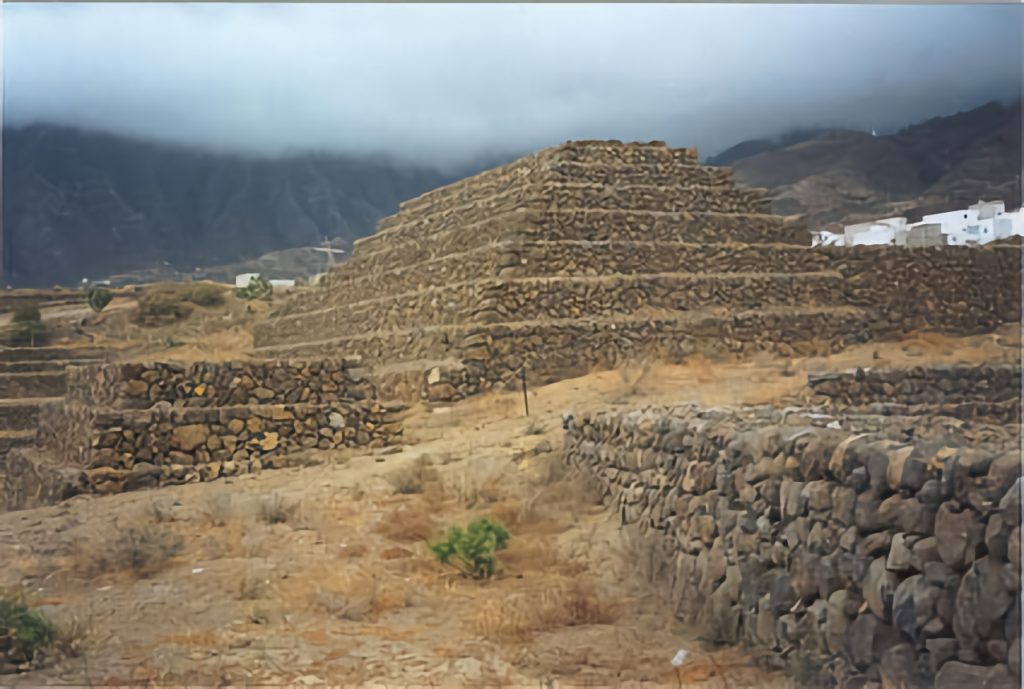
<point x="581" y="256"/>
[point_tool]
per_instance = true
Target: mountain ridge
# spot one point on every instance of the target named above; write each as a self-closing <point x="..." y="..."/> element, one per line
<point x="844" y="176"/>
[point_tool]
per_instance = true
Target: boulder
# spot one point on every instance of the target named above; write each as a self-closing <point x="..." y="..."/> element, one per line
<point x="958" y="535"/>
<point x="188" y="438"/>
<point x="878" y="587"/>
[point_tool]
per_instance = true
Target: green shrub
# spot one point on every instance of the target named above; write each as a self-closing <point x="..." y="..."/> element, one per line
<point x="206" y="295"/>
<point x="258" y="288"/>
<point x="28" y="632"/>
<point x="26" y="326"/>
<point x="98" y="298"/>
<point x="27" y="313"/>
<point x="472" y="551"/>
<point x="163" y="305"/>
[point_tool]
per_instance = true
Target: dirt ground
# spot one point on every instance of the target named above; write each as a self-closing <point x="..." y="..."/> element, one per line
<point x="322" y="573"/>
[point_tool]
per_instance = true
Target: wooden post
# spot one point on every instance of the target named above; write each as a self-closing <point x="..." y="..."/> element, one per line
<point x="526" y="401"/>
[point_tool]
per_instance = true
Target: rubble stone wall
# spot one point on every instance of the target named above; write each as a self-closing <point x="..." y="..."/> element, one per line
<point x="215" y="384"/>
<point x="959" y="290"/>
<point x="918" y="385"/>
<point x="126" y="426"/>
<point x="887" y="550"/>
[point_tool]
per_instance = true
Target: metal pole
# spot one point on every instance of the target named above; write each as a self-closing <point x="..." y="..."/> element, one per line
<point x="526" y="401"/>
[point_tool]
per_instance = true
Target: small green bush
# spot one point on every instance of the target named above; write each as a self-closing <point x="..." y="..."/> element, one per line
<point x="27" y="313"/>
<point x="258" y="288"/>
<point x="98" y="298"/>
<point x="26" y="326"/>
<point x="163" y="305"/>
<point x="28" y="632"/>
<point x="472" y="551"/>
<point x="206" y="295"/>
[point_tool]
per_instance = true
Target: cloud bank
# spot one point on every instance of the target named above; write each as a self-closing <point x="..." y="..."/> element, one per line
<point x="443" y="84"/>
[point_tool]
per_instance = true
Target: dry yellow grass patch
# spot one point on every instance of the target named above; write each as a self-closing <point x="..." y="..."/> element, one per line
<point x="518" y="615"/>
<point x="408" y="523"/>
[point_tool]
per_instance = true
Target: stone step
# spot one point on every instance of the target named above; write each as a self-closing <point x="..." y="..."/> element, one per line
<point x="722" y="198"/>
<point x="69" y="354"/>
<point x="43" y="366"/>
<point x="389" y="274"/>
<point x="496" y="300"/>
<point x="33" y="384"/>
<point x="547" y="174"/>
<point x="420" y="240"/>
<point x="21" y="414"/>
<point x="575" y="345"/>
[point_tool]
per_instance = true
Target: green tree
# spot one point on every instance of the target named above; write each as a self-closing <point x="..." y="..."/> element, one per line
<point x="27" y="632"/>
<point x="98" y="298"/>
<point x="26" y="326"/>
<point x="472" y="551"/>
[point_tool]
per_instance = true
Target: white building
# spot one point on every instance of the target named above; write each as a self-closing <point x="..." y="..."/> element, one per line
<point x="243" y="279"/>
<point x="891" y="231"/>
<point x="825" y="238"/>
<point x="981" y="223"/>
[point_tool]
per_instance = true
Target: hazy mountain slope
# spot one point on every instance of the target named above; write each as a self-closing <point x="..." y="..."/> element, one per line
<point x="82" y="204"/>
<point x="844" y="176"/>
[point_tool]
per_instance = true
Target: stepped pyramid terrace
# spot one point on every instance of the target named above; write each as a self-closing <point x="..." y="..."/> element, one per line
<point x="591" y="254"/>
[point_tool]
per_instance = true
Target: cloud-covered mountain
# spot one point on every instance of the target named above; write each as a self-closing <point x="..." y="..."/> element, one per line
<point x="82" y="204"/>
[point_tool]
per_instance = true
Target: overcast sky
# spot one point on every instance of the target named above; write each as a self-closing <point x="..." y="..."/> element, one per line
<point x="442" y="83"/>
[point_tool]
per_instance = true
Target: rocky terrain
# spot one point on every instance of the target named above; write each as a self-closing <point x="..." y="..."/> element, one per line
<point x="846" y="176"/>
<point x="320" y="573"/>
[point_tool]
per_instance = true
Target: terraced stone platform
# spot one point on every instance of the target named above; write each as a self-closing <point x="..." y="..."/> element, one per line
<point x="31" y="378"/>
<point x="590" y="254"/>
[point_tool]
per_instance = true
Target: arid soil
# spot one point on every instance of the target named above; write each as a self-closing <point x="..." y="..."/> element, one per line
<point x="321" y="573"/>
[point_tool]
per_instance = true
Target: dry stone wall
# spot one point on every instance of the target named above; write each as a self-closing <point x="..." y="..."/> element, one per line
<point x="205" y="384"/>
<point x="128" y="426"/>
<point x="918" y="385"/>
<point x="953" y="289"/>
<point x="879" y="549"/>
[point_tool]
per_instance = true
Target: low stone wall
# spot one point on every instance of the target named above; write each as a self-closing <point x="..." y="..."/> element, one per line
<point x="920" y="385"/>
<point x="205" y="384"/>
<point x="161" y="446"/>
<point x="883" y="550"/>
<point x="128" y="426"/>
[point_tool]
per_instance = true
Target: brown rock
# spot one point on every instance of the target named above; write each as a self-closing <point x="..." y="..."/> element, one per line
<point x="236" y="426"/>
<point x="958" y="535"/>
<point x="254" y="424"/>
<point x="981" y="601"/>
<point x="878" y="587"/>
<point x="957" y="675"/>
<point x="269" y="441"/>
<point x="188" y="438"/>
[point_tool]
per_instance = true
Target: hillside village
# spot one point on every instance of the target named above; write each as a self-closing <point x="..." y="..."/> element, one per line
<point x="980" y="223"/>
<point x="711" y="454"/>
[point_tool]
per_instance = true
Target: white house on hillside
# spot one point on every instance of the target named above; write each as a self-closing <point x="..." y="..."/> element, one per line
<point x="981" y="223"/>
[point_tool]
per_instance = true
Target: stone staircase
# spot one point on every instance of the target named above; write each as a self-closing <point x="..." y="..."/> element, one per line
<point x="30" y="378"/>
<point x="588" y="255"/>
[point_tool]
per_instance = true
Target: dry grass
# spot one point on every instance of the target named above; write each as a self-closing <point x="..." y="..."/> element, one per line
<point x="413" y="478"/>
<point x="219" y="509"/>
<point x="144" y="550"/>
<point x="478" y="483"/>
<point x="519" y="615"/>
<point x="254" y="587"/>
<point x="408" y="523"/>
<point x="276" y="510"/>
<point x="357" y="594"/>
